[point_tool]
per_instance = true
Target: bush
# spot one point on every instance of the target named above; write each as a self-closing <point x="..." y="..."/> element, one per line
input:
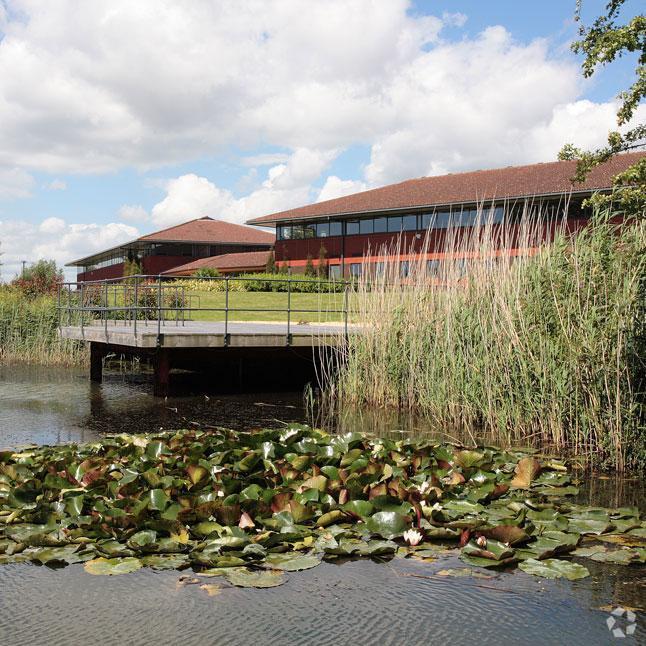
<point x="207" y="272"/>
<point x="43" y="277"/>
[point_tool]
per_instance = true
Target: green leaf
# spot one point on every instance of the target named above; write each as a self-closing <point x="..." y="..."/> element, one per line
<point x="165" y="562"/>
<point x="244" y="578"/>
<point x="360" y="508"/>
<point x="292" y="562"/>
<point x="157" y="499"/>
<point x="388" y="524"/>
<point x="111" y="567"/>
<point x="554" y="569"/>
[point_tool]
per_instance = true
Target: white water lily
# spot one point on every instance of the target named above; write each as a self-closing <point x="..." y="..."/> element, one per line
<point x="481" y="541"/>
<point x="425" y="486"/>
<point x="412" y="537"/>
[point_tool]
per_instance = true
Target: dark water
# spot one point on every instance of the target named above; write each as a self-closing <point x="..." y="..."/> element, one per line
<point x="361" y="602"/>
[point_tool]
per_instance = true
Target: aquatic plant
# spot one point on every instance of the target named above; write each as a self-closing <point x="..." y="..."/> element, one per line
<point x="249" y="506"/>
<point x="545" y="346"/>
<point x="29" y="331"/>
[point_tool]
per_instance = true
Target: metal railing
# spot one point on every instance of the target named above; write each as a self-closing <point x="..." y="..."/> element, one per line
<point x="145" y="300"/>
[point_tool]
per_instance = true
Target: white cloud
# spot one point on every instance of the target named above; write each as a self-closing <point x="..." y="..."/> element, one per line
<point x="265" y="159"/>
<point x="336" y="187"/>
<point x="133" y="213"/>
<point x="56" y="185"/>
<point x="15" y="183"/>
<point x="55" y="239"/>
<point x="286" y="185"/>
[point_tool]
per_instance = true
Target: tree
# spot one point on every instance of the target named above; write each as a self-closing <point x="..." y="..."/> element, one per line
<point x="270" y="268"/>
<point x="322" y="266"/>
<point x="309" y="266"/>
<point x="207" y="272"/>
<point x="43" y="277"/>
<point x="601" y="44"/>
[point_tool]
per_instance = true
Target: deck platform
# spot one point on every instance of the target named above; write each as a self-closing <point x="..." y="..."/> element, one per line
<point x="208" y="334"/>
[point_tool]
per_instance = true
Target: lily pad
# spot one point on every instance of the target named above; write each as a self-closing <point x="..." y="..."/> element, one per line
<point x="112" y="567"/>
<point x="165" y="561"/>
<point x="244" y="578"/>
<point x="554" y="569"/>
<point x="292" y="562"/>
<point x="388" y="524"/>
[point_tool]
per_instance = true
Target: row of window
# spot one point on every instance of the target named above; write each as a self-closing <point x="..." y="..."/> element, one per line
<point x="390" y="224"/>
<point x="433" y="268"/>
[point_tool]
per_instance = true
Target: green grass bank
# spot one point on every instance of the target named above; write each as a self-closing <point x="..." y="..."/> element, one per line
<point x="548" y="349"/>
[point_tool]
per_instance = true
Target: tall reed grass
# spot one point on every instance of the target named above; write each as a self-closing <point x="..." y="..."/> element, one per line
<point x="29" y="331"/>
<point x="545" y="347"/>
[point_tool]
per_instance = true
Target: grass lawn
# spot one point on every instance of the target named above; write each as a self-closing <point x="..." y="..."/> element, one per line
<point x="257" y="306"/>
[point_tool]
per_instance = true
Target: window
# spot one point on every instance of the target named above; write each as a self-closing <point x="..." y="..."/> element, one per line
<point x="355" y="270"/>
<point x="309" y="230"/>
<point x="335" y="272"/>
<point x="394" y="224"/>
<point x="380" y="269"/>
<point x="323" y="229"/>
<point x="336" y="228"/>
<point x="432" y="267"/>
<point x="352" y="227"/>
<point x="366" y="226"/>
<point x="442" y="220"/>
<point x="404" y="268"/>
<point x="284" y="232"/>
<point x="380" y="225"/>
<point x="409" y="223"/>
<point x="297" y="232"/>
<point x="428" y="220"/>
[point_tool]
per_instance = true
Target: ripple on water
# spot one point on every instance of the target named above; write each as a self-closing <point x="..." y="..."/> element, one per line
<point x="355" y="603"/>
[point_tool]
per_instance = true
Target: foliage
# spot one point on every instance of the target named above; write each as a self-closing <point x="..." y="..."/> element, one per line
<point x="309" y="267"/>
<point x="270" y="268"/>
<point x="601" y="44"/>
<point x="42" y="277"/>
<point x="250" y="506"/>
<point x="261" y="282"/>
<point x="547" y="348"/>
<point x="207" y="272"/>
<point x="322" y="269"/>
<point x="132" y="267"/>
<point x="29" y="330"/>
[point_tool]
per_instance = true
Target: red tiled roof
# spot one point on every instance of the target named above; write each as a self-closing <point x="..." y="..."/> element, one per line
<point x="224" y="262"/>
<point x="211" y="231"/>
<point x="500" y="183"/>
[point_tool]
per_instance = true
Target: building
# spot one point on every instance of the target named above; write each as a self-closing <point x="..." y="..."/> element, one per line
<point x="172" y="247"/>
<point x="418" y="213"/>
<point x="246" y="262"/>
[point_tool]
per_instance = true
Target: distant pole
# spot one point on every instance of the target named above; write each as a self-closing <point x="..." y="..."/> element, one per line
<point x="22" y="274"/>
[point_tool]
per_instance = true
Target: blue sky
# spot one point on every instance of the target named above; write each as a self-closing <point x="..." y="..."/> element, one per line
<point x="117" y="119"/>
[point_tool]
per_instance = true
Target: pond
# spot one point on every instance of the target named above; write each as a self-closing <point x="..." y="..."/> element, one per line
<point x="360" y="602"/>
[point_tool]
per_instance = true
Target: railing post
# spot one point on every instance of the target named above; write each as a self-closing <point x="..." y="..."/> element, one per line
<point x="288" y="340"/>
<point x="135" y="303"/>
<point x="345" y="309"/>
<point x="69" y="305"/>
<point x="226" y="310"/>
<point x="159" y="304"/>
<point x="105" y="310"/>
<point x="58" y="304"/>
<point x="82" y="310"/>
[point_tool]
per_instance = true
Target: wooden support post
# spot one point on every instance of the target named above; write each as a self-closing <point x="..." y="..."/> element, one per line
<point x="96" y="362"/>
<point x="162" y="373"/>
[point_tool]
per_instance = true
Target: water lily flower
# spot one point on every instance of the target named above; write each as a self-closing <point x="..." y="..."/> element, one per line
<point x="412" y="537"/>
<point x="481" y="541"/>
<point x="425" y="486"/>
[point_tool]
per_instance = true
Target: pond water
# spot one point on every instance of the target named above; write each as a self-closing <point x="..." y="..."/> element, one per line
<point x="358" y="602"/>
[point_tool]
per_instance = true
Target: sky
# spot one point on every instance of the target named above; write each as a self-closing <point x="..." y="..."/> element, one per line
<point x="118" y="118"/>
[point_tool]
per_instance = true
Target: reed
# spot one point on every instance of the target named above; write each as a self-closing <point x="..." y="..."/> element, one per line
<point x="546" y="347"/>
<point x="29" y="331"/>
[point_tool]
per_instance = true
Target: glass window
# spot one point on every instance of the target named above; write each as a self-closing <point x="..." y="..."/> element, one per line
<point x="351" y="227"/>
<point x="409" y="223"/>
<point x="323" y="229"/>
<point x="498" y="215"/>
<point x="355" y="269"/>
<point x="309" y="230"/>
<point x="432" y="267"/>
<point x="395" y="223"/>
<point x="284" y="232"/>
<point x="427" y="220"/>
<point x="442" y="220"/>
<point x="366" y="226"/>
<point x="335" y="272"/>
<point x="380" y="269"/>
<point x="297" y="232"/>
<point x="336" y="228"/>
<point x="380" y="225"/>
<point x="404" y="268"/>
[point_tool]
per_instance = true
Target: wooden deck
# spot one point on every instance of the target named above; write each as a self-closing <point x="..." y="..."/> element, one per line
<point x="193" y="334"/>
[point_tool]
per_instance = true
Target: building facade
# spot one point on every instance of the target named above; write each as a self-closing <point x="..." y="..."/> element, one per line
<point x="158" y="252"/>
<point x="430" y="215"/>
